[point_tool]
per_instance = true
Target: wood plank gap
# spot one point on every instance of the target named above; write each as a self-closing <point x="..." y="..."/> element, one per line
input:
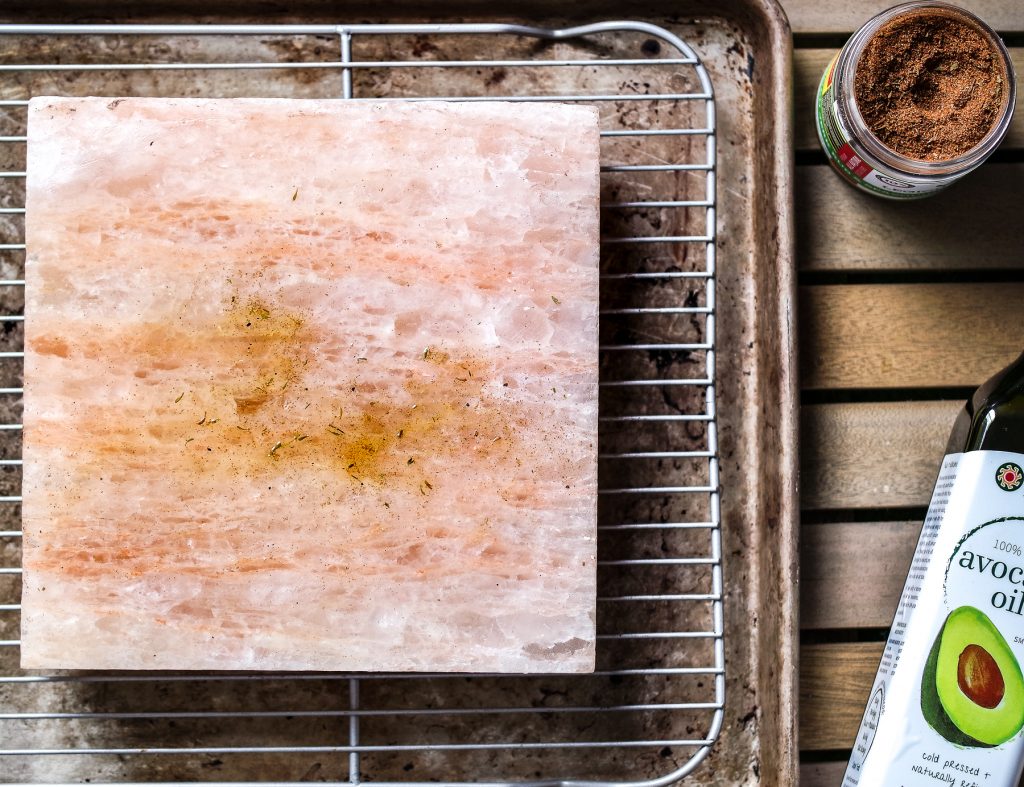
<point x="913" y="276"/>
<point x="834" y="636"/>
<point x="841" y="396"/>
<point x="841" y="515"/>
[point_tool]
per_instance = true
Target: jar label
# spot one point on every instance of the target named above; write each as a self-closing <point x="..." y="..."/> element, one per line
<point x="853" y="163"/>
<point x="947" y="705"/>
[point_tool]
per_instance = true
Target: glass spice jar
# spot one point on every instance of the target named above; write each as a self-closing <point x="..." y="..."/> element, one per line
<point x="917" y="98"/>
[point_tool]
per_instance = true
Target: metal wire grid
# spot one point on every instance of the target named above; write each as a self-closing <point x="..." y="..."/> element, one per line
<point x="678" y="55"/>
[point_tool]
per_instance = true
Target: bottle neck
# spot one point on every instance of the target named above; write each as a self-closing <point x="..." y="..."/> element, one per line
<point x="993" y="418"/>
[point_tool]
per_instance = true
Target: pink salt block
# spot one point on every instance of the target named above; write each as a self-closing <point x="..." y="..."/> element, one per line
<point x="310" y="385"/>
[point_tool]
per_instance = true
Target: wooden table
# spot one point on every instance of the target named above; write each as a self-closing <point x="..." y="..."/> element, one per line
<point x="904" y="309"/>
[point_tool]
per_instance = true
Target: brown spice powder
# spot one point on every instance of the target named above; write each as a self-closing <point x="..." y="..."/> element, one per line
<point x="929" y="86"/>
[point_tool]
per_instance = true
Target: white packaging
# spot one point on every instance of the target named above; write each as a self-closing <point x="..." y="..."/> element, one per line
<point x="947" y="705"/>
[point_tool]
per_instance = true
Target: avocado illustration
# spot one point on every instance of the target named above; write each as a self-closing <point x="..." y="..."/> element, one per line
<point x="972" y="692"/>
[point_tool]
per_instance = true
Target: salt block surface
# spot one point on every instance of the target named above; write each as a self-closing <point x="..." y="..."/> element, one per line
<point x="310" y="385"/>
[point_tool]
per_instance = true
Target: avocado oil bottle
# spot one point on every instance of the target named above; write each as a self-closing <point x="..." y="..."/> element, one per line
<point x="947" y="704"/>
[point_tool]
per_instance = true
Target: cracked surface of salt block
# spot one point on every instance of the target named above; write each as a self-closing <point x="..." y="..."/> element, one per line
<point x="310" y="385"/>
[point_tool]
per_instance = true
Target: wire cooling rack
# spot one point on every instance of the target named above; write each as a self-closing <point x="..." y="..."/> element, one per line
<point x="653" y="709"/>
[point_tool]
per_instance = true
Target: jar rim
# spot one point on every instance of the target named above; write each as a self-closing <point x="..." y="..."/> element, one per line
<point x="846" y="66"/>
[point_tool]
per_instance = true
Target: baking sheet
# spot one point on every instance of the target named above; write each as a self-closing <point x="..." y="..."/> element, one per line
<point x="745" y="47"/>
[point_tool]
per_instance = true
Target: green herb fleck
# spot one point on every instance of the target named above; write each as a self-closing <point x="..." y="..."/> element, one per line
<point x="189" y="440"/>
<point x="295" y="196"/>
<point x="411" y="460"/>
<point x="556" y="301"/>
<point x="203" y="421"/>
<point x="301" y="437"/>
<point x="400" y="433"/>
<point x="243" y="428"/>
<point x="182" y="396"/>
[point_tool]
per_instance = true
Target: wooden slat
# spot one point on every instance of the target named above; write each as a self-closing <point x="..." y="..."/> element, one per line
<point x="834" y="683"/>
<point x="972" y="226"/>
<point x="839" y="591"/>
<point x="863" y="337"/>
<point x="908" y="335"/>
<point x="845" y="16"/>
<point x="809" y="65"/>
<point x="873" y="454"/>
<point x="822" y="774"/>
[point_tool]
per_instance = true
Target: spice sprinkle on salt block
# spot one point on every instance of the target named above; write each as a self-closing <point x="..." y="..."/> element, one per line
<point x="310" y="385"/>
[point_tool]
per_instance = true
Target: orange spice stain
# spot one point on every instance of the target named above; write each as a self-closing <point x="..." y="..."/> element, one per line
<point x="51" y="345"/>
<point x="262" y="348"/>
<point x="393" y="445"/>
<point x="251" y="406"/>
<point x="253" y="400"/>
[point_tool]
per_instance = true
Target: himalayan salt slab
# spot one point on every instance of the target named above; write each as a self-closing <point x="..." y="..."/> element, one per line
<point x="310" y="385"/>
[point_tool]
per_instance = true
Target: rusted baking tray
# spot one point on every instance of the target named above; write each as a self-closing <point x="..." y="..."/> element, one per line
<point x="697" y="514"/>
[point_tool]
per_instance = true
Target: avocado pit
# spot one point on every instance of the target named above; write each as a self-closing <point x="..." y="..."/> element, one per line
<point x="979" y="677"/>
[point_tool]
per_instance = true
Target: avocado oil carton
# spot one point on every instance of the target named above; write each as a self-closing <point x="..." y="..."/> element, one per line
<point x="947" y="704"/>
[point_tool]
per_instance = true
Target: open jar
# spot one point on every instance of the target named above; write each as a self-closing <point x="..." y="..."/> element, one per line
<point x="917" y="98"/>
